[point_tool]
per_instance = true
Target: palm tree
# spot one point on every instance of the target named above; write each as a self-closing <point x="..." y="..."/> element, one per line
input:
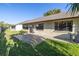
<point x="50" y="12"/>
<point x="73" y="8"/>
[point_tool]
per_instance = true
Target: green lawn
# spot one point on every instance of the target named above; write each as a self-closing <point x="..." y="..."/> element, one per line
<point x="46" y="48"/>
<point x="56" y="48"/>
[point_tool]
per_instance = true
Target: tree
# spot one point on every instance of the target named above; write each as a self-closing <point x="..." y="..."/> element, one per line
<point x="51" y="12"/>
<point x="73" y="8"/>
<point x="3" y="24"/>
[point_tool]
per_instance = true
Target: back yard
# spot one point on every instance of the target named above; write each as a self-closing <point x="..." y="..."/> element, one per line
<point x="13" y="47"/>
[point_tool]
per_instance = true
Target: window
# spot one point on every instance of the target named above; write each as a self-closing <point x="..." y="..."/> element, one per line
<point x="40" y="26"/>
<point x="13" y="27"/>
<point x="56" y="26"/>
<point x="25" y="26"/>
<point x="63" y="25"/>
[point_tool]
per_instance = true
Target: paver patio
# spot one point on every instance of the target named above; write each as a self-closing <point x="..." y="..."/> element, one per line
<point x="59" y="36"/>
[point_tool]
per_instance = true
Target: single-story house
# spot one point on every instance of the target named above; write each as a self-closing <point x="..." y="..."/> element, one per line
<point x="58" y="23"/>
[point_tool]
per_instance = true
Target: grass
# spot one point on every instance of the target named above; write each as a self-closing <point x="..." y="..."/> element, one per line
<point x="57" y="48"/>
<point x="21" y="49"/>
<point x="10" y="32"/>
<point x="16" y="47"/>
<point x="46" y="48"/>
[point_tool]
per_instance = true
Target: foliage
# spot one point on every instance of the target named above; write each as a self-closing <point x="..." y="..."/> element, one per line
<point x="2" y="43"/>
<point x="22" y="32"/>
<point x="3" y="24"/>
<point x="12" y="32"/>
<point x="21" y="49"/>
<point x="51" y="12"/>
<point x="73" y="8"/>
<point x="46" y="48"/>
<point x="14" y="47"/>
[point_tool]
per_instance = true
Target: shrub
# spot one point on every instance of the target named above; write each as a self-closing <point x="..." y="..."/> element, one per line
<point x="2" y="44"/>
<point x="22" y="32"/>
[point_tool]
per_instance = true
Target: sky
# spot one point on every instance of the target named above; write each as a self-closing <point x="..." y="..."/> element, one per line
<point x="19" y="12"/>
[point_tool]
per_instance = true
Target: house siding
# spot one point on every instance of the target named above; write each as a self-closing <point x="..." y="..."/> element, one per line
<point x="18" y="27"/>
<point x="49" y="27"/>
<point x="50" y="30"/>
<point x="75" y="25"/>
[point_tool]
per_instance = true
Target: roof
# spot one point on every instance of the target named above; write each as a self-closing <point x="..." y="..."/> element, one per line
<point x="52" y="17"/>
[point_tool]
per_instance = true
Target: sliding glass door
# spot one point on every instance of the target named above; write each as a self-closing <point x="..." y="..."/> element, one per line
<point x="63" y="26"/>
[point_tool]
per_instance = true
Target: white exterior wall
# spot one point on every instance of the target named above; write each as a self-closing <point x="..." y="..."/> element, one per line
<point x="75" y="25"/>
<point x="49" y="30"/>
<point x="49" y="27"/>
<point x="18" y="27"/>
